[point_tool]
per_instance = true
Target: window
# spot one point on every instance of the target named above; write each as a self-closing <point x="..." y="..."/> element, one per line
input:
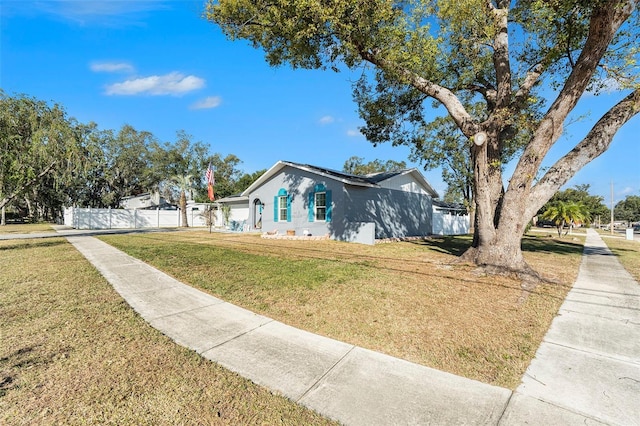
<point x="282" y="206"/>
<point x="320" y="204"/>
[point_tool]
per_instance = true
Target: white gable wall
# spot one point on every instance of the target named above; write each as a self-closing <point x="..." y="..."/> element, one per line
<point x="405" y="183"/>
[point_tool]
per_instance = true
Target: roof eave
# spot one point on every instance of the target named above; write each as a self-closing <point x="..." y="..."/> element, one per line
<point x="424" y="181"/>
<point x="266" y="176"/>
<point x="337" y="178"/>
<point x="282" y="164"/>
<point x="416" y="173"/>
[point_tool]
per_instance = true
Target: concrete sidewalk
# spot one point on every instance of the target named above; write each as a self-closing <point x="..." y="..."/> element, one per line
<point x="587" y="371"/>
<point x="589" y="361"/>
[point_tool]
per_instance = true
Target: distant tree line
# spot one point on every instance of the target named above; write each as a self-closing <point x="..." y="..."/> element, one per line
<point x="575" y="205"/>
<point x="49" y="160"/>
<point x="628" y="209"/>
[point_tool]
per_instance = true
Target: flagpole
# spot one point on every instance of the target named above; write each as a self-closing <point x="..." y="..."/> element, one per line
<point x="209" y="175"/>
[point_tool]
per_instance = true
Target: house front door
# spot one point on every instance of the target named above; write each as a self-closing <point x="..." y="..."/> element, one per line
<point x="258" y="207"/>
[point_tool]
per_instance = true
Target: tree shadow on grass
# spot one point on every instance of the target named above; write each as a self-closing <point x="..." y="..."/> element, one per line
<point x="451" y="244"/>
<point x="456" y="245"/>
<point x="551" y="246"/>
<point x="29" y="244"/>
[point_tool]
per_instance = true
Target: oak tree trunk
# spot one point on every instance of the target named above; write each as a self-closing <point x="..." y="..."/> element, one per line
<point x="498" y="227"/>
<point x="502" y="215"/>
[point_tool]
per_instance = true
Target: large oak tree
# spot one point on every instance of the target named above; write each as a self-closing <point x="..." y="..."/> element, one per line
<point x="38" y="144"/>
<point x="507" y="73"/>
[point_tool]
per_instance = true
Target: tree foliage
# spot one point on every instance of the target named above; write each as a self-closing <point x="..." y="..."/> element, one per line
<point x="247" y="179"/>
<point x="128" y="162"/>
<point x="227" y="175"/>
<point x="49" y="160"/>
<point x="628" y="209"/>
<point x="566" y="214"/>
<point x="356" y="166"/>
<point x="39" y="146"/>
<point x="482" y="64"/>
<point x="179" y="168"/>
<point x="593" y="204"/>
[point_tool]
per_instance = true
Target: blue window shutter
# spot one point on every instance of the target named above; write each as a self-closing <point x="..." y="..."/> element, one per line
<point x="288" y="208"/>
<point x="275" y="208"/>
<point x="329" y="207"/>
<point x="311" y="204"/>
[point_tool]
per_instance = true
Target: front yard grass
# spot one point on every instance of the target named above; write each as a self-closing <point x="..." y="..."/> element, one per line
<point x="410" y="300"/>
<point x="628" y="253"/>
<point x="25" y="228"/>
<point x="73" y="352"/>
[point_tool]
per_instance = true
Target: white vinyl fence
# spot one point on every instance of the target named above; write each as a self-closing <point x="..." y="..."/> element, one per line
<point x="445" y="223"/>
<point x="88" y="218"/>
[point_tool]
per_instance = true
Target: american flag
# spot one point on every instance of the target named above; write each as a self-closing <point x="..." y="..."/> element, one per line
<point x="211" y="180"/>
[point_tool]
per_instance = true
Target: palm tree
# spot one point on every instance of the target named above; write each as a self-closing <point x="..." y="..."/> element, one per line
<point x="184" y="183"/>
<point x="566" y="214"/>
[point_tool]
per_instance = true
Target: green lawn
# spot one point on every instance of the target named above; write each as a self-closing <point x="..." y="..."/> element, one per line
<point x="628" y="253"/>
<point x="30" y="228"/>
<point x="73" y="352"/>
<point x="411" y="299"/>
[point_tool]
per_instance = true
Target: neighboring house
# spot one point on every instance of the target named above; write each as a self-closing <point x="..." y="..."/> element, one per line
<point x="309" y="200"/>
<point x="146" y="200"/>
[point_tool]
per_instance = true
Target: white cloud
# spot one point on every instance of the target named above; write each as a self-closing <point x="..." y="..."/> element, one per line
<point x="111" y="67"/>
<point x="111" y="13"/>
<point x="627" y="190"/>
<point x="327" y="119"/>
<point x="354" y="133"/>
<point x="611" y="85"/>
<point x="605" y="86"/>
<point x="208" y="102"/>
<point x="174" y="83"/>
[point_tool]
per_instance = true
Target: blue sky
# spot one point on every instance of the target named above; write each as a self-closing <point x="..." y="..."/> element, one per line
<point x="160" y="67"/>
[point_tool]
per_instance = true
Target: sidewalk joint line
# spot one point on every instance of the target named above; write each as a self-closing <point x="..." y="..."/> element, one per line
<point x="623" y="321"/>
<point x="180" y="312"/>
<point x="591" y="352"/>
<point x="506" y="406"/>
<point x="565" y="408"/>
<point x="237" y="336"/>
<point x="329" y="370"/>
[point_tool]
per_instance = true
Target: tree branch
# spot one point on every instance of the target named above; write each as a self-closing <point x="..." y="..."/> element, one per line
<point x="501" y="62"/>
<point x="445" y="96"/>
<point x="605" y="21"/>
<point x="5" y="201"/>
<point x="593" y="145"/>
<point x="532" y="77"/>
<point x="489" y="94"/>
